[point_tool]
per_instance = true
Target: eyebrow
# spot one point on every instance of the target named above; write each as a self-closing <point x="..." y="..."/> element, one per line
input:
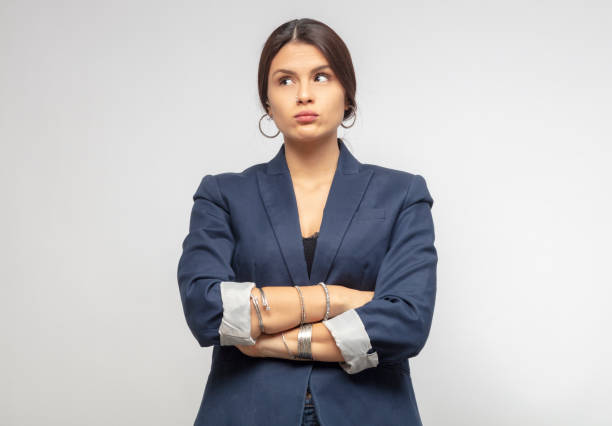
<point x="320" y="67"/>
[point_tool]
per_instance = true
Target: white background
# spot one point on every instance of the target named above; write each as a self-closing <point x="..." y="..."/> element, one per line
<point x="111" y="112"/>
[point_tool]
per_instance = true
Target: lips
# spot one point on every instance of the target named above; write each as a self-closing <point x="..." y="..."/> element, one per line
<point x="306" y="114"/>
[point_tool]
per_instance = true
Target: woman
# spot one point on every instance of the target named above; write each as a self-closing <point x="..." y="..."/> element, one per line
<point x="345" y="250"/>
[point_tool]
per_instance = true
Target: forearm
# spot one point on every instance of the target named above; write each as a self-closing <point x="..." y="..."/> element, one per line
<point x="323" y="345"/>
<point x="286" y="306"/>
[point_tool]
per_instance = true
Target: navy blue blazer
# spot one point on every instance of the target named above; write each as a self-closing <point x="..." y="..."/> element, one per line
<point x="377" y="234"/>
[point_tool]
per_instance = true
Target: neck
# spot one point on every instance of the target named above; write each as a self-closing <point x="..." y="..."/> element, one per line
<point x="312" y="160"/>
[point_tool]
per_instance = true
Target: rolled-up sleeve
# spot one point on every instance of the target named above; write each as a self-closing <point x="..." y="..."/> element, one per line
<point x="353" y="342"/>
<point x="216" y="308"/>
<point x="235" y="326"/>
<point x="395" y="324"/>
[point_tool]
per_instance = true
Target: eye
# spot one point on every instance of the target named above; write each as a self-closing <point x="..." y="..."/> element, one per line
<point x="324" y="75"/>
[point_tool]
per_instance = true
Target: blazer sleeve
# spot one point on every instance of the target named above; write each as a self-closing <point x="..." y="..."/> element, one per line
<point x="395" y="324"/>
<point x="217" y="309"/>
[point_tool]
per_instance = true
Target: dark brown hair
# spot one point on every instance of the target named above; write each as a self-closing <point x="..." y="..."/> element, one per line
<point x="326" y="40"/>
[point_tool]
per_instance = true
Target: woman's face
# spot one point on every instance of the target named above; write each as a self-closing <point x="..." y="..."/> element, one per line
<point x="300" y="79"/>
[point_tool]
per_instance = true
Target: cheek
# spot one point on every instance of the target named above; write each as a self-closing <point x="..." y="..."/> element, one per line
<point x="282" y="107"/>
<point x="335" y="108"/>
<point x="337" y="100"/>
<point x="283" y="98"/>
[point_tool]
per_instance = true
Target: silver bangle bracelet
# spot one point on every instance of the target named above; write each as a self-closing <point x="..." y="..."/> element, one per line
<point x="303" y="319"/>
<point x="287" y="346"/>
<point x="264" y="301"/>
<point x="304" y="342"/>
<point x="256" y="304"/>
<point x="327" y="302"/>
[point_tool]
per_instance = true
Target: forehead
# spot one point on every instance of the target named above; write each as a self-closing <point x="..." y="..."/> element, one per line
<point x="298" y="57"/>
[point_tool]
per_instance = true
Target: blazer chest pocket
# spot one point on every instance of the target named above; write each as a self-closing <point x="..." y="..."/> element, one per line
<point x="370" y="213"/>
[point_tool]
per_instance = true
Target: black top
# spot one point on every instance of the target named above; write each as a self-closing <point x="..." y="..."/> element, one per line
<point x="309" y="248"/>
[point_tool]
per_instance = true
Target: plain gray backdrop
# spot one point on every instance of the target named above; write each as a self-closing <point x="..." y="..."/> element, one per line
<point x="111" y="112"/>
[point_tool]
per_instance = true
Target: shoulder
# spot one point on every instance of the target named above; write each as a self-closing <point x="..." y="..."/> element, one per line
<point x="412" y="185"/>
<point x="395" y="176"/>
<point x="214" y="186"/>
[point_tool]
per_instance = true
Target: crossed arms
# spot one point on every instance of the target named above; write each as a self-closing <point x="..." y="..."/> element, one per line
<point x="285" y="315"/>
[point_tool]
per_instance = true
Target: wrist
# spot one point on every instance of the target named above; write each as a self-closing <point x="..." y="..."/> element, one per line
<point x="291" y="339"/>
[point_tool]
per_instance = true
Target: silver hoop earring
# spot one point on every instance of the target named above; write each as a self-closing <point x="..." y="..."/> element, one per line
<point x="352" y="124"/>
<point x="261" y="131"/>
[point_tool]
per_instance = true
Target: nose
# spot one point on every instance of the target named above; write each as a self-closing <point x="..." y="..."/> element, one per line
<point x="303" y="95"/>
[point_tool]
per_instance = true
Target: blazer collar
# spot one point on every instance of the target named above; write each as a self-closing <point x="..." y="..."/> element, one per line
<point x="276" y="190"/>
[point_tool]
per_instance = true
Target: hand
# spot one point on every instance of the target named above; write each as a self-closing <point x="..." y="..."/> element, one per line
<point x="252" y="350"/>
<point x="266" y="345"/>
<point x="358" y="298"/>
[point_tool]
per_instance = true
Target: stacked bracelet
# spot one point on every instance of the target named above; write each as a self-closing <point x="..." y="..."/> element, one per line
<point x="304" y="342"/>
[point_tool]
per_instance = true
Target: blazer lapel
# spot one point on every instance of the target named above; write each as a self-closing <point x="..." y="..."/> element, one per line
<point x="278" y="196"/>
